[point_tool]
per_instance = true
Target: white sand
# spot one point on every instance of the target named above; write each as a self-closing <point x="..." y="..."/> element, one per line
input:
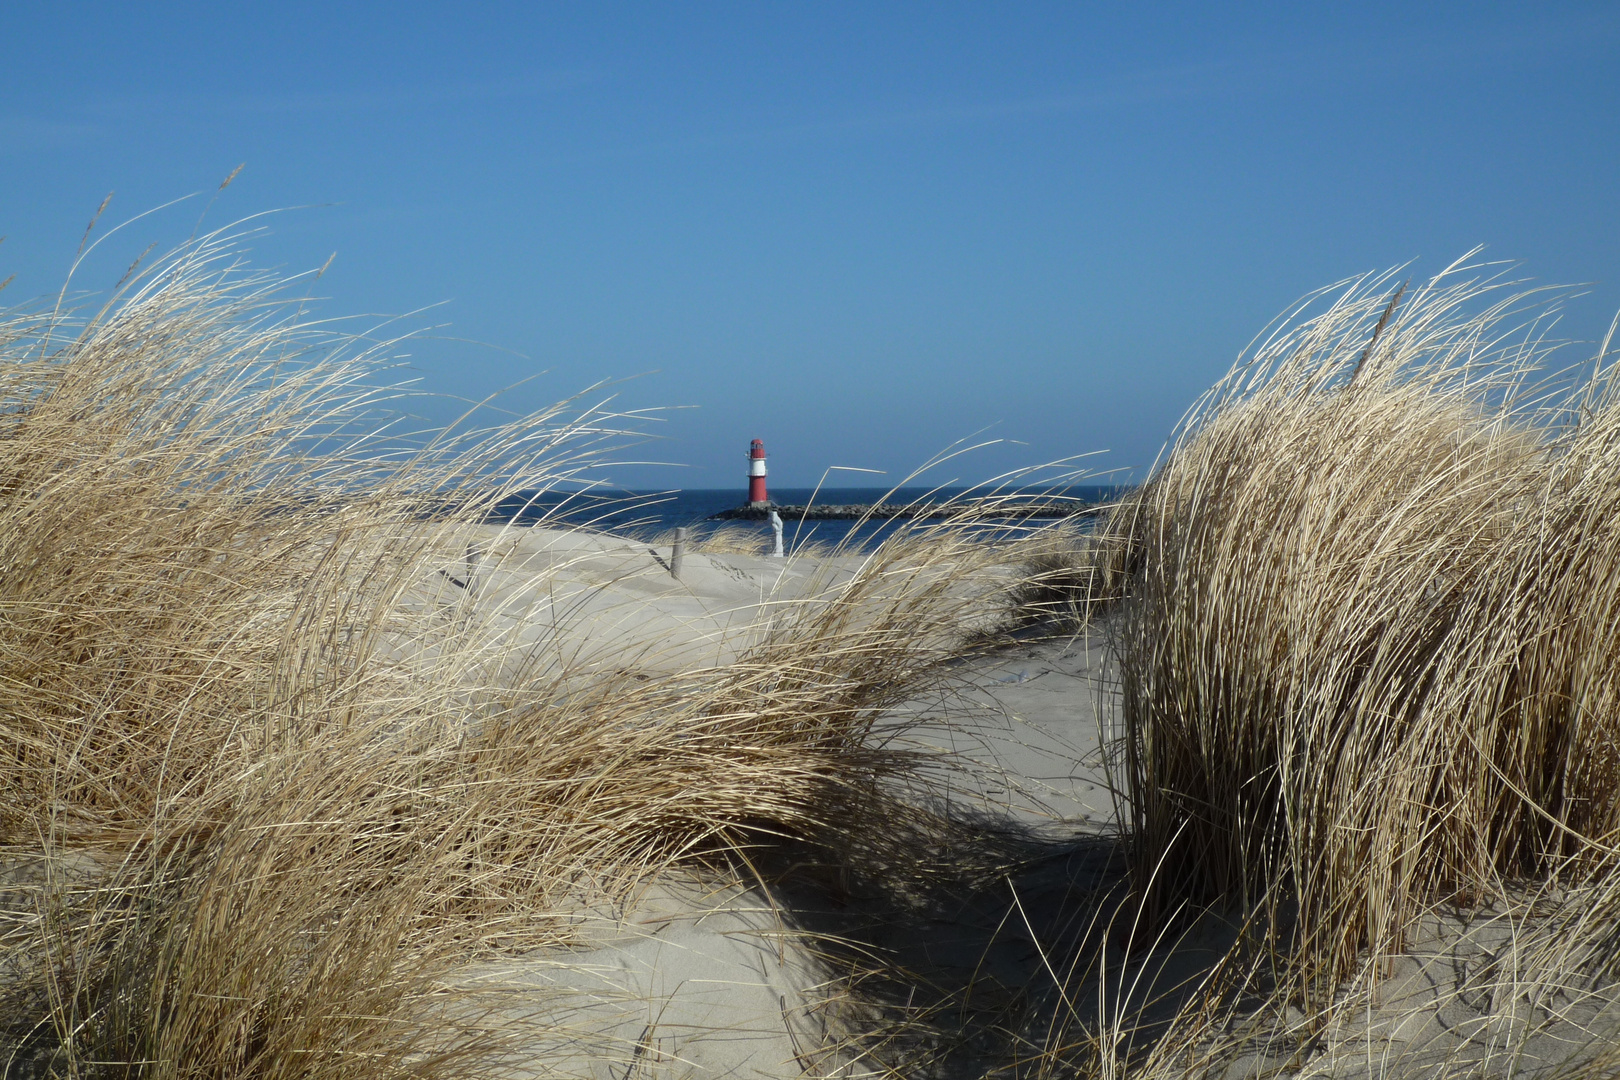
<point x="572" y="600"/>
<point x="681" y="981"/>
<point x="685" y="983"/>
<point x="693" y="980"/>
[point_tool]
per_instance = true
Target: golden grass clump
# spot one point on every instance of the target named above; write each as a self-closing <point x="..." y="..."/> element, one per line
<point x="260" y="791"/>
<point x="1068" y="576"/>
<point x="292" y="738"/>
<point x="1369" y="657"/>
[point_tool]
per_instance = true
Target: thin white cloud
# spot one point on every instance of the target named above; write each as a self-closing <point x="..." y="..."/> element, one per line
<point x="1259" y="71"/>
<point x="32" y="133"/>
<point x="402" y="97"/>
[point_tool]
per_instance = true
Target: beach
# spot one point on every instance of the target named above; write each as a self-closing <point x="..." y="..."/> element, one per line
<point x="1299" y="760"/>
<point x="801" y="971"/>
<point x="987" y="922"/>
<point x="702" y="975"/>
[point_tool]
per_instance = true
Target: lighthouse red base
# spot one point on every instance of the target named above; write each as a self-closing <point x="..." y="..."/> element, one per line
<point x="756" y="474"/>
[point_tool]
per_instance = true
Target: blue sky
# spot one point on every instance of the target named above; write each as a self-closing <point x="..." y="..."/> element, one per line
<point x="860" y="232"/>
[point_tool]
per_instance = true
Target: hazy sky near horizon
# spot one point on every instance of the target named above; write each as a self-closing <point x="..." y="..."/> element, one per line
<point x="860" y="232"/>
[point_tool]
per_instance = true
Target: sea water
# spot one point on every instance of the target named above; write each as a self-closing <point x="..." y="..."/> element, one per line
<point x="648" y="513"/>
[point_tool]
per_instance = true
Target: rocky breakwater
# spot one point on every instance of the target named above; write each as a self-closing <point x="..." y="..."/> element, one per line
<point x="990" y="509"/>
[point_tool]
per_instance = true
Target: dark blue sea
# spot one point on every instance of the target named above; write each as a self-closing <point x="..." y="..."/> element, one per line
<point x="646" y="514"/>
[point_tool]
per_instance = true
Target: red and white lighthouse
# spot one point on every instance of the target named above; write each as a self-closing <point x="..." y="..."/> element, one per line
<point x="756" y="474"/>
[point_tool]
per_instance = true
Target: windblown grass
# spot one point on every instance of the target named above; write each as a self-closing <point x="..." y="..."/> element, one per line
<point x="1368" y="651"/>
<point x="289" y="791"/>
<point x="274" y="764"/>
<point x="1068" y="576"/>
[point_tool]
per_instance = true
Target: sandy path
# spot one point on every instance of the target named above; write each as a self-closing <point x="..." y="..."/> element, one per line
<point x="690" y="979"/>
<point x="1024" y="731"/>
<point x="692" y="982"/>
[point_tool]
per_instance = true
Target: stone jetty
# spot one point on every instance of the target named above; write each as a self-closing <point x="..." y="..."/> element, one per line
<point x="991" y="510"/>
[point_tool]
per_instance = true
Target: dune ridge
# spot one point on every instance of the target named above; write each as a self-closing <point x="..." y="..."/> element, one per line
<point x="1302" y="762"/>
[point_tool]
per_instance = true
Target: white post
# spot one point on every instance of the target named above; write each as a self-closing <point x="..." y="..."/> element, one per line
<point x="677" y="550"/>
<point x="776" y="532"/>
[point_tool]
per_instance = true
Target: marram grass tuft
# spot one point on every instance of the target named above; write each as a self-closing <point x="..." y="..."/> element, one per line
<point x="259" y="790"/>
<point x="1369" y="655"/>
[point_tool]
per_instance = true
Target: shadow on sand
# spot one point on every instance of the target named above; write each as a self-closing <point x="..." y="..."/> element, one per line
<point x="978" y="947"/>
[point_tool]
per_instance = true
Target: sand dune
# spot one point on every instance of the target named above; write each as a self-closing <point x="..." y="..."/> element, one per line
<point x="299" y="784"/>
<point x="817" y="971"/>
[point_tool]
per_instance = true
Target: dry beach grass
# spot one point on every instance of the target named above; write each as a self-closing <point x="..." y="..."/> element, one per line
<point x="259" y="791"/>
<point x="308" y="771"/>
<point x="1368" y="665"/>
